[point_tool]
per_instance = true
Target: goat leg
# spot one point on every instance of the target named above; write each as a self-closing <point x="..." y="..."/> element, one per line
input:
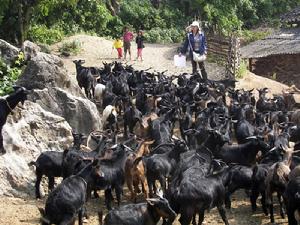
<point x="125" y="130"/>
<point x="144" y="186"/>
<point x="108" y="198"/>
<point x="119" y="191"/>
<point x="50" y="183"/>
<point x="162" y="181"/>
<point x="271" y="209"/>
<point x="186" y="215"/>
<point x="280" y="205"/>
<point x="263" y="203"/>
<point x="201" y="216"/>
<point x="2" y="150"/>
<point x="253" y="198"/>
<point x="80" y="217"/>
<point x="37" y="184"/>
<point x="222" y="213"/>
<point x="129" y="185"/>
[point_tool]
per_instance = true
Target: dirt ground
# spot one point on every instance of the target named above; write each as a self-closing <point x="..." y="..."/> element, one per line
<point x="95" y="50"/>
<point x="16" y="211"/>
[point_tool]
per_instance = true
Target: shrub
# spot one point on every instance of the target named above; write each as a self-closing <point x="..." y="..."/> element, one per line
<point x="68" y="48"/>
<point x="9" y="75"/>
<point x="248" y="36"/>
<point x="44" y="35"/>
<point x="242" y="69"/>
<point x="158" y="35"/>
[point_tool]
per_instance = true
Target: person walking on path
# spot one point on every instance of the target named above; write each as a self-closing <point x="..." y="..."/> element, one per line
<point x="118" y="44"/>
<point x="127" y="38"/>
<point x="140" y="45"/>
<point x="196" y="42"/>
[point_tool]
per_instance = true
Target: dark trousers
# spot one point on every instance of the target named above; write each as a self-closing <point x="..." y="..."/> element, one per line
<point x="202" y="69"/>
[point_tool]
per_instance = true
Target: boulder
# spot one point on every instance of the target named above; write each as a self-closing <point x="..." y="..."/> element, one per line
<point x="47" y="71"/>
<point x="81" y="113"/>
<point x="8" y="52"/>
<point x="30" y="50"/>
<point x="27" y="133"/>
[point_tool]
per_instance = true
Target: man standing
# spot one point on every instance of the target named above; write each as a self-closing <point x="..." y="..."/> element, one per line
<point x="127" y="38"/>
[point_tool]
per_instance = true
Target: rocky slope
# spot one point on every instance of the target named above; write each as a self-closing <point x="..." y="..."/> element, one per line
<point x="55" y="107"/>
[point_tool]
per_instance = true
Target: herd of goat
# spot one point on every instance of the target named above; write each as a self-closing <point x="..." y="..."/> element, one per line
<point x="186" y="143"/>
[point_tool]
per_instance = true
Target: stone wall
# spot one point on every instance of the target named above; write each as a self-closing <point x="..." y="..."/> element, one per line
<point x="282" y="68"/>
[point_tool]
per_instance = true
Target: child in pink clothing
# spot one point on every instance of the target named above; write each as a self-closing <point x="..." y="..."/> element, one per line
<point x="127" y="38"/>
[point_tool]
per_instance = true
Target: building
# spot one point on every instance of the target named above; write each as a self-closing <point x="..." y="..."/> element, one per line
<point x="276" y="56"/>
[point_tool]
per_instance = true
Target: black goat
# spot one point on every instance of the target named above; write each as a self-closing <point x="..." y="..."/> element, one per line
<point x="243" y="154"/>
<point x="240" y="177"/>
<point x="131" y="116"/>
<point x="67" y="200"/>
<point x="259" y="176"/>
<point x="85" y="78"/>
<point x="197" y="193"/>
<point x="71" y="158"/>
<point x="114" y="175"/>
<point x="147" y="213"/>
<point x="7" y="105"/>
<point x="292" y="201"/>
<point x="49" y="163"/>
<point x="161" y="166"/>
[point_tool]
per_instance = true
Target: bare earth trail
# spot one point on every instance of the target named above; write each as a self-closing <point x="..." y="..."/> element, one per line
<point x="95" y="50"/>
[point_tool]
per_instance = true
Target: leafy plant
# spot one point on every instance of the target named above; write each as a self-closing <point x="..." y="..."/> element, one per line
<point x="9" y="75"/>
<point x="68" y="48"/>
<point x="157" y="35"/>
<point x="242" y="70"/>
<point x="248" y="36"/>
<point x="44" y="35"/>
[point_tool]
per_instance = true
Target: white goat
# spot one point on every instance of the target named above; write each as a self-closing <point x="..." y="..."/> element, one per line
<point x="106" y="113"/>
<point x="99" y="90"/>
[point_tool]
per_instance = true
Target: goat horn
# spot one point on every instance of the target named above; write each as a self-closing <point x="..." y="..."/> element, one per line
<point x="251" y="137"/>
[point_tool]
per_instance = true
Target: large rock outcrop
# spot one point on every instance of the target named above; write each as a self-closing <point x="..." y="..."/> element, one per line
<point x="81" y="113"/>
<point x="8" y="52"/>
<point x="47" y="71"/>
<point x="56" y="92"/>
<point x="27" y="133"/>
<point x="30" y="50"/>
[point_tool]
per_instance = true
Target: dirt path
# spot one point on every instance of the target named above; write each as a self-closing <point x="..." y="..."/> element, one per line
<point x="159" y="57"/>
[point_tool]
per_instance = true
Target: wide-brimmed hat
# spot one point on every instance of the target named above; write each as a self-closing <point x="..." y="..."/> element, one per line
<point x="195" y="24"/>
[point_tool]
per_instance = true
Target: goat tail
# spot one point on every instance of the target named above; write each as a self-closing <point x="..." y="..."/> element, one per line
<point x="32" y="163"/>
<point x="136" y="161"/>
<point x="100" y="217"/>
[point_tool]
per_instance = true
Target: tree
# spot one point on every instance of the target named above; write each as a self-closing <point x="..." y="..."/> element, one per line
<point x="16" y="19"/>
